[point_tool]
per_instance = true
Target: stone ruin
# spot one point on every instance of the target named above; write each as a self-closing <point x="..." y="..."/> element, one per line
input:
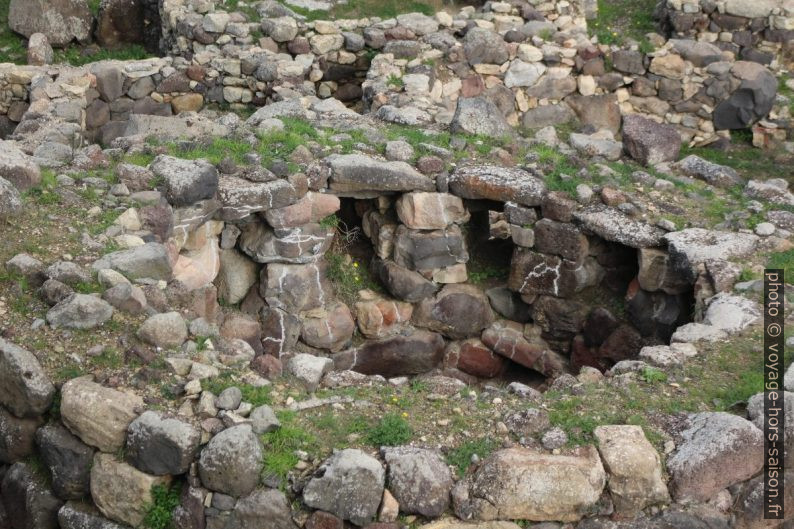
<point x="533" y="63"/>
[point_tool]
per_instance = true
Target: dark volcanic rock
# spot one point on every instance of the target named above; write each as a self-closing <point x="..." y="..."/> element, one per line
<point x="650" y="142"/>
<point x="68" y="460"/>
<point x="413" y="354"/>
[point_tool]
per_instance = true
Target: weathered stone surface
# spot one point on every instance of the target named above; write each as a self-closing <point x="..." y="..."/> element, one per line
<point x="148" y="261"/>
<point x="329" y="328"/>
<point x="731" y="313"/>
<point x="301" y="245"/>
<point x="628" y="61"/>
<point x="78" y="515"/>
<point x="309" y="369"/>
<point x="264" y="420"/>
<point x="430" y="211"/>
<point x="80" y="311"/>
<point x="39" y="50"/>
<point x="484" y="46"/>
<point x="166" y="330"/>
<point x="280" y="331"/>
<point x="479" y="115"/>
<point x="410" y="354"/>
<point x="474" y="358"/>
<point x="633" y="466"/>
<point x="562" y="239"/>
<point x="267" y="509"/>
<point x="751" y="101"/>
<point x="751" y="505"/>
<point x="361" y="175"/>
<point x="99" y="416"/>
<point x="240" y="198"/>
<point x="693" y="246"/>
<point x="121" y="492"/>
<point x="10" y="200"/>
<point x="16" y="436"/>
<point x="508" y="304"/>
<point x="523" y="484"/>
<point x="671" y="66"/>
<point x="28" y="502"/>
<point x="428" y="250"/>
<point x="68" y="459"/>
<point x="349" y="485"/>
<point x="294" y="287"/>
<point x="667" y="355"/>
<point x="699" y="53"/>
<point x="419" y="479"/>
<point x="657" y="272"/>
<point x="507" y="339"/>
<point x="231" y="462"/>
<point x="160" y="445"/>
<point x="313" y="207"/>
<point x="17" y="167"/>
<point x="235" y="277"/>
<point x="402" y="283"/>
<point x="650" y="142"/>
<point x="598" y="111"/>
<point x="497" y="183"/>
<point x="695" y="332"/>
<point x="458" y="311"/>
<point x="615" y="226"/>
<point x="382" y="318"/>
<point x="756" y="413"/>
<point x="62" y="21"/>
<point x="536" y="273"/>
<point x="126" y="297"/>
<point x="717" y="451"/>
<point x="548" y="115"/>
<point x="523" y="73"/>
<point x="186" y="181"/>
<point x="26" y="389"/>
<point x="600" y="144"/>
<point x="712" y="173"/>
<point x="774" y="190"/>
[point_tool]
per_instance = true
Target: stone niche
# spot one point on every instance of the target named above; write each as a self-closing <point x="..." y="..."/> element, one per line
<point x="516" y="292"/>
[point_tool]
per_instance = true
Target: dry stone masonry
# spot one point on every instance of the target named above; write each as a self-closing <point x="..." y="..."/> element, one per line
<point x="362" y="260"/>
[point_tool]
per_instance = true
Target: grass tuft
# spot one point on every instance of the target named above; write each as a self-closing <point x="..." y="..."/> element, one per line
<point x="392" y="430"/>
<point x="159" y="514"/>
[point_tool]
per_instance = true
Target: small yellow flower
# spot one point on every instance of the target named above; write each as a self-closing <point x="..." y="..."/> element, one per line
<point x="405" y="414"/>
<point x="355" y="265"/>
<point x="394" y="399"/>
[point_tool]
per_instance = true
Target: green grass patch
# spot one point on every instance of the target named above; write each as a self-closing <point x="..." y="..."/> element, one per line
<point x="460" y="456"/>
<point x="109" y="359"/>
<point x="12" y="46"/>
<point x="257" y="396"/>
<point x="652" y="375"/>
<point x="348" y="276"/>
<point x="379" y="8"/>
<point x="281" y="445"/>
<point x="619" y="20"/>
<point x="480" y="271"/>
<point x="140" y="159"/>
<point x="742" y="156"/>
<point x="784" y="261"/>
<point x="214" y="151"/>
<point x="392" y="430"/>
<point x="79" y="56"/>
<point x="159" y="514"/>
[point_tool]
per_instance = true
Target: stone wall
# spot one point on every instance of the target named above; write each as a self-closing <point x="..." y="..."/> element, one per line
<point x="537" y="68"/>
<point x="760" y="31"/>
